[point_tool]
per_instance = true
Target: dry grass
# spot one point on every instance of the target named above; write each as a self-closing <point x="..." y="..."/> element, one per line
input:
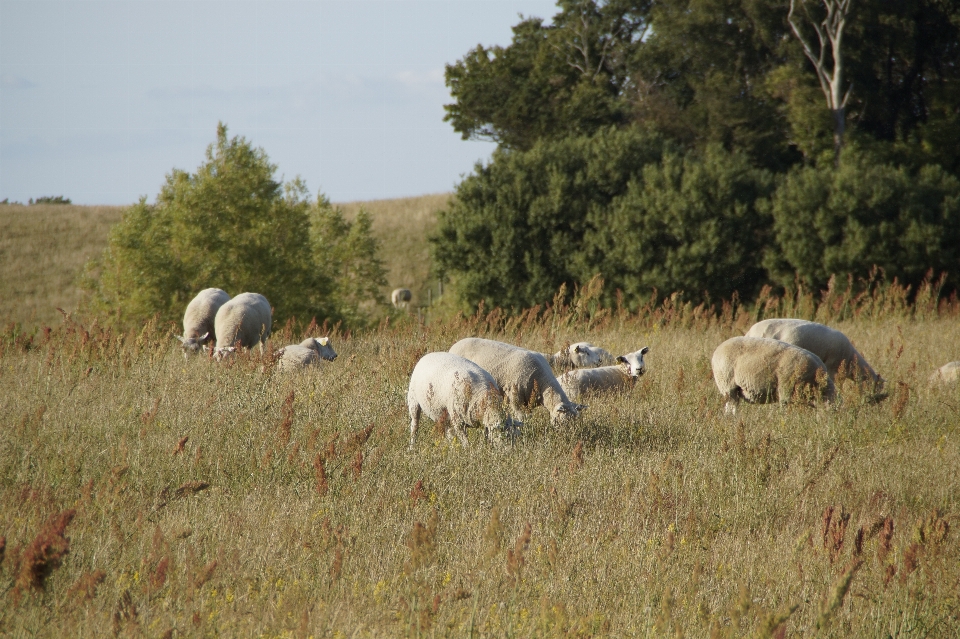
<point x="42" y="251"/>
<point x="654" y="516"/>
<point x="402" y="226"/>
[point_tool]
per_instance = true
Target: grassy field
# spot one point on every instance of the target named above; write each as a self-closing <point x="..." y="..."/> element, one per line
<point x="144" y="494"/>
<point x="43" y="249"/>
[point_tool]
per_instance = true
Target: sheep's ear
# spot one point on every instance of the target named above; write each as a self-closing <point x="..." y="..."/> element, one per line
<point x="644" y="350"/>
<point x="622" y="359"/>
<point x="323" y="341"/>
<point x="203" y="337"/>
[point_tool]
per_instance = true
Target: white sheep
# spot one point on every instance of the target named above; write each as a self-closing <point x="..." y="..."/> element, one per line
<point x="605" y="379"/>
<point x="245" y="319"/>
<point x="524" y="375"/>
<point x="309" y="352"/>
<point x="947" y="374"/>
<point x="198" y="320"/>
<point x="455" y="391"/>
<point x="830" y="345"/>
<point x="580" y="355"/>
<point x="763" y="371"/>
<point x="400" y="298"/>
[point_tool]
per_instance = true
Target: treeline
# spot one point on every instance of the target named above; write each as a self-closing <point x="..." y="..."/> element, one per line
<point x="690" y="147"/>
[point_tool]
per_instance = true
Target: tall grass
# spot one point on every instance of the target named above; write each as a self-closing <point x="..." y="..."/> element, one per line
<point x="161" y="496"/>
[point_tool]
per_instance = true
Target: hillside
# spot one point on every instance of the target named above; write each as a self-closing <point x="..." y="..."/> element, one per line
<point x="43" y="249"/>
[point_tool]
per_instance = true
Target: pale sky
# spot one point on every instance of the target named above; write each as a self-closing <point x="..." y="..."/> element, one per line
<point x="100" y="100"/>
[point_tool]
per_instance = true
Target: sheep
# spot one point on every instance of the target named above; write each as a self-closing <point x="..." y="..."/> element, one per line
<point x="524" y="375"/>
<point x="607" y="379"/>
<point x="309" y="352"/>
<point x="762" y="370"/>
<point x="948" y="373"/>
<point x="455" y="391"/>
<point x="245" y="319"/>
<point x="198" y="319"/>
<point x="830" y="345"/>
<point x="401" y="297"/>
<point x="580" y="355"/>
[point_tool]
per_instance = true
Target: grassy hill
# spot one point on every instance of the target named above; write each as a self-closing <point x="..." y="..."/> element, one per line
<point x="402" y="226"/>
<point x="43" y="249"/>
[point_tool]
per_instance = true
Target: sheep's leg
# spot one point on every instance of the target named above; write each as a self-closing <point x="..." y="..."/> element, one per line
<point x="461" y="432"/>
<point x="415" y="413"/>
<point x="733" y="400"/>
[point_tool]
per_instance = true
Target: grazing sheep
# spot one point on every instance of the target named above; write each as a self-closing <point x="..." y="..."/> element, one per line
<point x="580" y="355"/>
<point x="524" y="375"/>
<point x="450" y="389"/>
<point x="401" y="297"/>
<point x="198" y="320"/>
<point x="947" y="374"/>
<point x="309" y="352"/>
<point x="245" y="319"/>
<point x="605" y="379"/>
<point x="830" y="345"/>
<point x="762" y="371"/>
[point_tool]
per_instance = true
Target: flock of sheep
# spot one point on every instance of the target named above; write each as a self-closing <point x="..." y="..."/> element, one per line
<point x="488" y="384"/>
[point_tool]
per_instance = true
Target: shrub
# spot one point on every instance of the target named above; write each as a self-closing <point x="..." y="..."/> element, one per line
<point x="865" y="212"/>
<point x="619" y="204"/>
<point x="231" y="225"/>
<point x="514" y="232"/>
<point x="689" y="223"/>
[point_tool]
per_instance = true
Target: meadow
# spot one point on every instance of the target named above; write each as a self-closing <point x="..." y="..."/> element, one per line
<point x="143" y="494"/>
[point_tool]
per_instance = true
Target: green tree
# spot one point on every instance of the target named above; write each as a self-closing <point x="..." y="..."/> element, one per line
<point x="690" y="223"/>
<point x="865" y="213"/>
<point x="553" y="80"/>
<point x="229" y="225"/>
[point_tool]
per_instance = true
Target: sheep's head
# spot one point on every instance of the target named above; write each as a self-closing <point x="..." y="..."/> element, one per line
<point x="565" y="413"/>
<point x="223" y="352"/>
<point x="322" y="347"/>
<point x="634" y="362"/>
<point x="192" y="344"/>
<point x="585" y="355"/>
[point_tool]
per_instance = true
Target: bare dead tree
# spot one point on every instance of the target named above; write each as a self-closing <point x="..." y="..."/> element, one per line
<point x="830" y="37"/>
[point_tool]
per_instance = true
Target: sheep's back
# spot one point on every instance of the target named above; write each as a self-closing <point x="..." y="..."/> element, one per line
<point x="202" y="311"/>
<point x="246" y="318"/>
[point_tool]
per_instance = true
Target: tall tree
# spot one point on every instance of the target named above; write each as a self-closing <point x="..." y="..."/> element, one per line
<point x="829" y="30"/>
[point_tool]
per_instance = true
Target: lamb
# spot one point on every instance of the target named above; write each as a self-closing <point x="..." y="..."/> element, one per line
<point x="606" y="379"/>
<point x="762" y="370"/>
<point x="580" y="355"/>
<point x="948" y="373"/>
<point x="830" y="345"/>
<point x="450" y="389"/>
<point x="245" y="319"/>
<point x="309" y="352"/>
<point x="401" y="297"/>
<point x="524" y="375"/>
<point x="198" y="319"/>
